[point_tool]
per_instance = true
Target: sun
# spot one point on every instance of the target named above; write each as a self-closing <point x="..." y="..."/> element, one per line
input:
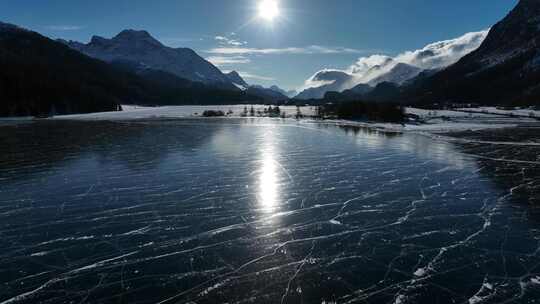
<point x="268" y="10"/>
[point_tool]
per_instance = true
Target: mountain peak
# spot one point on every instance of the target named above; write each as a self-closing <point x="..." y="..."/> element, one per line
<point x="98" y="40"/>
<point x="130" y="35"/>
<point x="325" y="81"/>
<point x="141" y="49"/>
<point x="233" y="73"/>
<point x="331" y="75"/>
<point x="9" y="26"/>
<point x="235" y="78"/>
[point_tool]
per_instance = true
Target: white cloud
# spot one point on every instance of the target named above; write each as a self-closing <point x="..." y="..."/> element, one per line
<point x="433" y="56"/>
<point x="443" y="53"/>
<point x="64" y="27"/>
<point x="325" y="77"/>
<point x="365" y="64"/>
<point x="254" y="76"/>
<point x="228" y="60"/>
<point x="313" y="49"/>
<point x="179" y="41"/>
<point x="228" y="41"/>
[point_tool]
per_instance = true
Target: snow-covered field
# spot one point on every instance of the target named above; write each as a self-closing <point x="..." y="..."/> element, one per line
<point x="432" y="127"/>
<point x="138" y="112"/>
<point x="435" y="121"/>
<point x="426" y="114"/>
<point x="442" y="121"/>
<point x="451" y="121"/>
<point x="493" y="110"/>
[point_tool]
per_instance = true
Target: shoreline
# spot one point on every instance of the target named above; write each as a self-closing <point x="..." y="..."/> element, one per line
<point x="449" y="122"/>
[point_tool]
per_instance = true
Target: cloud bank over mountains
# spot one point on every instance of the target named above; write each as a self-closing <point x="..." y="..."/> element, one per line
<point x="443" y="53"/>
<point x="376" y="68"/>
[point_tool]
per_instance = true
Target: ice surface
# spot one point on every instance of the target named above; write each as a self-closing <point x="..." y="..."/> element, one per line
<point x="266" y="211"/>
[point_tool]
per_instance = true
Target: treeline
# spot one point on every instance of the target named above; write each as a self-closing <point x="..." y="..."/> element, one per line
<point x="39" y="77"/>
<point x="360" y="110"/>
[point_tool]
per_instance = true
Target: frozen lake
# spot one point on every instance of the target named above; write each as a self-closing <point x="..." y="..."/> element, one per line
<point x="265" y="211"/>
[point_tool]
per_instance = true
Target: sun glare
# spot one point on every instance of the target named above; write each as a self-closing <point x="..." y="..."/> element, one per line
<point x="268" y="10"/>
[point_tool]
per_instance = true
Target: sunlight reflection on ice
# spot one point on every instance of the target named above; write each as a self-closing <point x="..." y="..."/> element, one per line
<point x="268" y="178"/>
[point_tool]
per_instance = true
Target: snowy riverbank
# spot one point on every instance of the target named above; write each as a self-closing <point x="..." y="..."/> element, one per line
<point x="433" y="121"/>
<point x="138" y="112"/>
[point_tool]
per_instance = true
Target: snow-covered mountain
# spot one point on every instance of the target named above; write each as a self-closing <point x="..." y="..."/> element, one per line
<point x="141" y="48"/>
<point x="326" y="81"/>
<point x="237" y="80"/>
<point x="516" y="35"/>
<point x="376" y="69"/>
<point x="386" y="70"/>
<point x="398" y="74"/>
<point x="505" y="69"/>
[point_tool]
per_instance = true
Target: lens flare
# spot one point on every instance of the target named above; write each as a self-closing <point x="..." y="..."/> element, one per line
<point x="268" y="10"/>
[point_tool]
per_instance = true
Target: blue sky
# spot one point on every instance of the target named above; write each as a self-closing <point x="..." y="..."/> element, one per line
<point x="309" y="35"/>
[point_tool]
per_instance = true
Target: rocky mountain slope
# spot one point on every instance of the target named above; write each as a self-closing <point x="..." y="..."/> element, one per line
<point x="505" y="69"/>
<point x="141" y="48"/>
<point x="273" y="93"/>
<point x="237" y="80"/>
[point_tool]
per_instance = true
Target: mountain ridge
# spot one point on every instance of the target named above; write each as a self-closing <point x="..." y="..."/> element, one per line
<point x="401" y="69"/>
<point x="268" y="94"/>
<point x="41" y="77"/>
<point x="141" y="47"/>
<point x="236" y="79"/>
<point x="505" y="69"/>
